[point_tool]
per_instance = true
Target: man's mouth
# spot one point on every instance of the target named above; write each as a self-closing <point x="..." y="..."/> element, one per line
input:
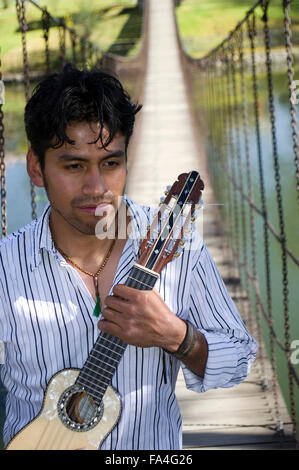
<point x="96" y="209"/>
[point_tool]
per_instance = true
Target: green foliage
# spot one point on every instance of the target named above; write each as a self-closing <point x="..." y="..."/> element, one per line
<point x="100" y="22"/>
<point x="204" y="24"/>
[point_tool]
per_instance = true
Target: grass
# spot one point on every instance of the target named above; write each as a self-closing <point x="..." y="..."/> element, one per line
<point x="100" y="22"/>
<point x="110" y="24"/>
<point x="204" y="24"/>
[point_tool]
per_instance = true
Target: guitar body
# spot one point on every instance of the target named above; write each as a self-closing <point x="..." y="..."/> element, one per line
<point x="53" y="429"/>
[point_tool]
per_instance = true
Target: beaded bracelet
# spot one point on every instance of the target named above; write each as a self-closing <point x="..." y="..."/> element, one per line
<point x="188" y="343"/>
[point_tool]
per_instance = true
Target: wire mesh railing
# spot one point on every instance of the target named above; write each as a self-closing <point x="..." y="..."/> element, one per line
<point x="251" y="134"/>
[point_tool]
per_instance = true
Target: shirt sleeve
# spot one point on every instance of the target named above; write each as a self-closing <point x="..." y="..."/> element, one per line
<point x="2" y="328"/>
<point x="231" y="349"/>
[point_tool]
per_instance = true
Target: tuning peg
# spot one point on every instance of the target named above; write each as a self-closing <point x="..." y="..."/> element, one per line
<point x="182" y="242"/>
<point x="178" y="252"/>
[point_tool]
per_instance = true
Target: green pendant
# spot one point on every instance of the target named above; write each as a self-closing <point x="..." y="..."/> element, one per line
<point x="97" y="309"/>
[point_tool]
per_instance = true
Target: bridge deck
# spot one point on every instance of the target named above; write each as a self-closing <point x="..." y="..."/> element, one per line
<point x="165" y="145"/>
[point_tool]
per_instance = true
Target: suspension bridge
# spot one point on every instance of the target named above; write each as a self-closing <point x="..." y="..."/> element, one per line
<point x="217" y="115"/>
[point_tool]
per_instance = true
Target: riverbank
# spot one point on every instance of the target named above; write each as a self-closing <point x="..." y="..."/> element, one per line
<point x="203" y="25"/>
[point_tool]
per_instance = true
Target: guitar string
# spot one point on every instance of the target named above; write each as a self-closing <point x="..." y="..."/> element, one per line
<point x="83" y="381"/>
<point x="177" y="218"/>
<point x="93" y="366"/>
<point x="113" y="343"/>
<point x="111" y="368"/>
<point x="94" y="369"/>
<point x="61" y="434"/>
<point x="108" y="368"/>
<point x="169" y="215"/>
<point x="142" y="286"/>
<point x="104" y="365"/>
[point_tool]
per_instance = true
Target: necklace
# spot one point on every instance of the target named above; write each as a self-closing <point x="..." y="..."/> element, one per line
<point x="97" y="309"/>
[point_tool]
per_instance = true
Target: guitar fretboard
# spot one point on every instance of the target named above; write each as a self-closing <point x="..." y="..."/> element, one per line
<point x="108" y="350"/>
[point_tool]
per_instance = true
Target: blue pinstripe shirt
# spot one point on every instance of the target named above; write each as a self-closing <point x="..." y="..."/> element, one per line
<point x="46" y="324"/>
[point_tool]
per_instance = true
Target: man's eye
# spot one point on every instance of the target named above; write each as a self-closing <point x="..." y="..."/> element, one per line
<point x="73" y="166"/>
<point x="111" y="163"/>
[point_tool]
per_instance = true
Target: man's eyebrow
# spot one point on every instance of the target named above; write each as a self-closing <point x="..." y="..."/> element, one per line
<point x="67" y="157"/>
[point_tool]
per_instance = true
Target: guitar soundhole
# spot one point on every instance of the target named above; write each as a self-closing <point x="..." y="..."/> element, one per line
<point x="77" y="410"/>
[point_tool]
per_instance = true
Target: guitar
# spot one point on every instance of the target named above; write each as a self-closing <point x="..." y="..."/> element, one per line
<point x="80" y="408"/>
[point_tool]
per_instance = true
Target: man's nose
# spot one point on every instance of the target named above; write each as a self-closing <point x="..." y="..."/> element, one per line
<point x="93" y="183"/>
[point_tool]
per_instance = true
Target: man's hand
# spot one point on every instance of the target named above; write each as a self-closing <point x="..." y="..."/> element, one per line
<point x="141" y="318"/>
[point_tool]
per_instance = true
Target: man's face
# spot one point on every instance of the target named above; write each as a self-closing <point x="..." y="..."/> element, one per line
<point x="83" y="177"/>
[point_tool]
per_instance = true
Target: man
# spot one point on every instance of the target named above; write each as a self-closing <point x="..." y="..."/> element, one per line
<point x="56" y="272"/>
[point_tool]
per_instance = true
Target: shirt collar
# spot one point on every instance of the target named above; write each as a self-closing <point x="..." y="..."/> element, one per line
<point x="42" y="237"/>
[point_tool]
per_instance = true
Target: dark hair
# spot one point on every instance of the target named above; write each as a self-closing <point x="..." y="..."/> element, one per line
<point x="76" y="96"/>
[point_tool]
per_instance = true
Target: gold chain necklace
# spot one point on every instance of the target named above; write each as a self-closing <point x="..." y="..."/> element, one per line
<point x="97" y="309"/>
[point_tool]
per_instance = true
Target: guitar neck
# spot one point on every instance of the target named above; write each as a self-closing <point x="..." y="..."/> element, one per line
<point x="108" y="350"/>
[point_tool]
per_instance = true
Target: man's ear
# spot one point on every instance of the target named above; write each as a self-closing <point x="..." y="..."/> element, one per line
<point x="34" y="169"/>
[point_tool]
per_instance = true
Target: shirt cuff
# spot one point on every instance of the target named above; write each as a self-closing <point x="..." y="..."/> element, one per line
<point x="221" y="364"/>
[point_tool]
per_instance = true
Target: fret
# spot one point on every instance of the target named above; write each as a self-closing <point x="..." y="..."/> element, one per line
<point x="90" y="382"/>
<point x="139" y="282"/>
<point x="103" y="345"/>
<point x="96" y="356"/>
<point x="101" y="372"/>
<point x="95" y="397"/>
<point x="100" y="387"/>
<point x="93" y="390"/>
<point x="141" y="279"/>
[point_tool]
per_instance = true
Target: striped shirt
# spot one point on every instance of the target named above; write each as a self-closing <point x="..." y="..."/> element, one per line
<point x="46" y="325"/>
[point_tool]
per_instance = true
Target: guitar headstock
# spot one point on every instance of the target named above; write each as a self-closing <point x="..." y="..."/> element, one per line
<point x="175" y="215"/>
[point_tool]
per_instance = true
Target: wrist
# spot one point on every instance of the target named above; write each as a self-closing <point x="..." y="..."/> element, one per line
<point x="175" y="340"/>
<point x="187" y="344"/>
